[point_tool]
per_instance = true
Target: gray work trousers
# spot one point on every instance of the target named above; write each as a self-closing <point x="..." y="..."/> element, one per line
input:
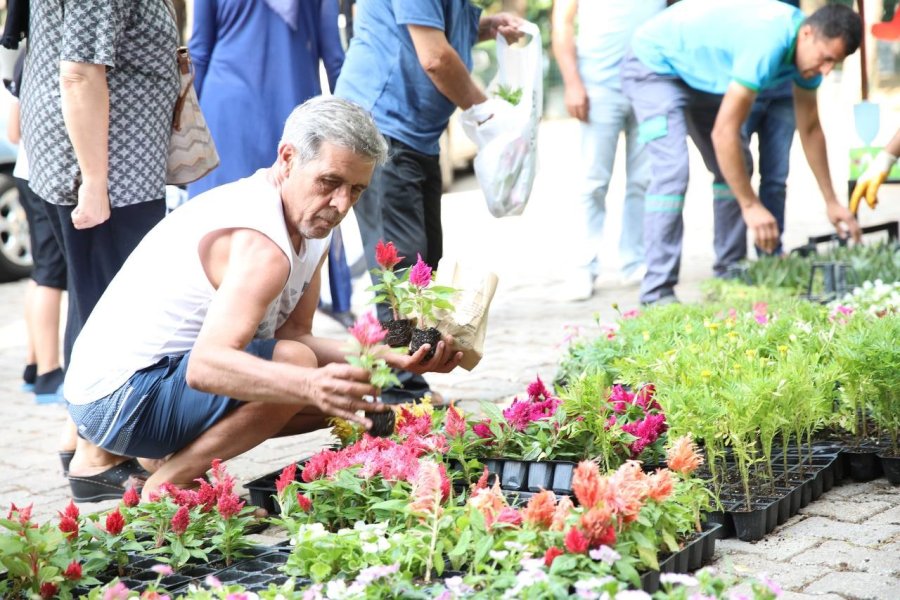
<point x="667" y="111"/>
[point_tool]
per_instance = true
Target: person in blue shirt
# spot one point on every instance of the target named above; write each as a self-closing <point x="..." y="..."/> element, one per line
<point x="696" y="68"/>
<point x="408" y="64"/>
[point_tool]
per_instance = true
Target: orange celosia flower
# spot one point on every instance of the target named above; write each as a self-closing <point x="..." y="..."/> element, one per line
<point x="659" y="485"/>
<point x="598" y="527"/>
<point x="563" y="509"/>
<point x="489" y="502"/>
<point x="586" y="484"/>
<point x="628" y="490"/>
<point x="540" y="509"/>
<point x="683" y="456"/>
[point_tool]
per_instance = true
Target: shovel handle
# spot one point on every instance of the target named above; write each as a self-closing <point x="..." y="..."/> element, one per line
<point x="863" y="71"/>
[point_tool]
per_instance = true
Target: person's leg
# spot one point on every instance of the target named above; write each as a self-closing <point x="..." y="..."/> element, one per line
<point x="637" y="168"/>
<point x="599" y="137"/>
<point x="776" y="135"/>
<point x="658" y="104"/>
<point x="730" y="232"/>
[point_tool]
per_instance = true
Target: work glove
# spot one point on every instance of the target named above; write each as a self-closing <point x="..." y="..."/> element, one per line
<point x="869" y="182"/>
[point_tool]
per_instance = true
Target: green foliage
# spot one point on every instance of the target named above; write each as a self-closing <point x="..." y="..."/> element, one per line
<point x="511" y="95"/>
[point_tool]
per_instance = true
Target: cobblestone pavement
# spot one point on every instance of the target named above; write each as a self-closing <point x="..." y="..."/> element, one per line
<point x="845" y="545"/>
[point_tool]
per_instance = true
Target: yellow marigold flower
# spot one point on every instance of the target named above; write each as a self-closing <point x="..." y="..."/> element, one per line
<point x="705" y="374"/>
<point x="733" y="335"/>
<point x="783" y="349"/>
<point x="751" y="353"/>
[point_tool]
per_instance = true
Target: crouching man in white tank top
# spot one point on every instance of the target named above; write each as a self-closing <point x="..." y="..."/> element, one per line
<point x="202" y="345"/>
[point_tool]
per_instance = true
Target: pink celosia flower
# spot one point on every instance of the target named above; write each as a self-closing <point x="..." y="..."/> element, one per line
<point x="631" y="314"/>
<point x="73" y="571"/>
<point x="304" y="502"/>
<point x="115" y="522"/>
<point x="518" y="414"/>
<point x="420" y="273"/>
<point x="551" y="554"/>
<point x="119" y="591"/>
<point x="207" y="495"/>
<point x="627" y="491"/>
<point x="509" y="515"/>
<point x="367" y="330"/>
<point x="408" y="424"/>
<point x="181" y="497"/>
<point x="483" y="480"/>
<point x="537" y="389"/>
<point x="288" y="474"/>
<point x="454" y="422"/>
<point x="386" y="255"/>
<point x="426" y="489"/>
<point x="162" y="569"/>
<point x="483" y="429"/>
<point x="563" y="509"/>
<point x="576" y="542"/>
<point x="180" y="520"/>
<point x="489" y="502"/>
<point x="131" y="498"/>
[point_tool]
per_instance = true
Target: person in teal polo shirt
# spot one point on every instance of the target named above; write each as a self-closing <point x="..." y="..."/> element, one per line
<point x="695" y="69"/>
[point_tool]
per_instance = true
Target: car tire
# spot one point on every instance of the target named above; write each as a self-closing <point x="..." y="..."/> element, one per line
<point x="15" y="245"/>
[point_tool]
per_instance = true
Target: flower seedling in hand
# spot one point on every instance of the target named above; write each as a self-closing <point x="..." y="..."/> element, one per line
<point x="424" y="303"/>
<point x="367" y="335"/>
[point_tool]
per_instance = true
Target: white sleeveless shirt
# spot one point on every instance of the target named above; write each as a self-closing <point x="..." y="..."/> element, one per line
<point x="156" y="304"/>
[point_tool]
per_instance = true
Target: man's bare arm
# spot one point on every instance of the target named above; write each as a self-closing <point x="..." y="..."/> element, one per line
<point x="444" y="67"/>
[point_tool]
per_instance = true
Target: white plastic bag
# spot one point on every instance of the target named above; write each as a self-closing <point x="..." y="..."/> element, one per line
<point x="507" y="142"/>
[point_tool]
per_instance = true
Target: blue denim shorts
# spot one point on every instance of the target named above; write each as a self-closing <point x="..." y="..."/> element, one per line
<point x="156" y="413"/>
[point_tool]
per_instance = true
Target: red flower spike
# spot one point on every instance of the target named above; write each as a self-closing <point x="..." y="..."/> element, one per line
<point x="576" y="542"/>
<point x="483" y="480"/>
<point x="550" y="555"/>
<point x="49" y="590"/>
<point x="454" y="422"/>
<point x="304" y="503"/>
<point x="288" y="474"/>
<point x="386" y="255"/>
<point x="181" y="520"/>
<point x="73" y="571"/>
<point x="115" y="522"/>
<point x="68" y="526"/>
<point x="71" y="510"/>
<point x="131" y="498"/>
<point x="229" y="505"/>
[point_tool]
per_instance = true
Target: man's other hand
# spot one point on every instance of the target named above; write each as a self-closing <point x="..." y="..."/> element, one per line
<point x="338" y="389"/>
<point x="763" y="225"/>
<point x="844" y="221"/>
<point x="505" y="24"/>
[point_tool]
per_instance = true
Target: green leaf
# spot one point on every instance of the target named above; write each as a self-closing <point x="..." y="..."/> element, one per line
<point x="319" y="571"/>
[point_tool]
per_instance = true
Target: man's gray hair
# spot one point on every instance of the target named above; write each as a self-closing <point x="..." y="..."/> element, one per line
<point x="336" y="121"/>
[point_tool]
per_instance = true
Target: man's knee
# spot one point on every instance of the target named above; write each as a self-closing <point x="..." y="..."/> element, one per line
<point x="295" y="353"/>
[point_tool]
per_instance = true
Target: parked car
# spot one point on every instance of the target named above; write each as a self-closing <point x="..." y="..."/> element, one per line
<point x="15" y="246"/>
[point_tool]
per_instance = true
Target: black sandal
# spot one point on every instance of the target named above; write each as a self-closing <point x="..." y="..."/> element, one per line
<point x="110" y="484"/>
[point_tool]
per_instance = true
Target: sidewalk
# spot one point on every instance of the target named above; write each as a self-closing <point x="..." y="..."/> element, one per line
<point x="846" y="545"/>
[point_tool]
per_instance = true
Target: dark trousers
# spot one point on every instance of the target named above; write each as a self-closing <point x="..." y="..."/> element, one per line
<point x="95" y="255"/>
<point x="403" y="205"/>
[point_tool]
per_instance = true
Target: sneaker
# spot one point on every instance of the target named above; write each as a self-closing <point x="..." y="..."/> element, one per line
<point x="28" y="377"/>
<point x="635" y="277"/>
<point x="577" y="287"/>
<point x="663" y="301"/>
<point x="48" y="387"/>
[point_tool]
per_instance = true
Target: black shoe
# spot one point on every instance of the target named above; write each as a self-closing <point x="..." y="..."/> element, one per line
<point x="48" y="387"/>
<point x="28" y="377"/>
<point x="346" y="318"/>
<point x="65" y="458"/>
<point x="111" y="484"/>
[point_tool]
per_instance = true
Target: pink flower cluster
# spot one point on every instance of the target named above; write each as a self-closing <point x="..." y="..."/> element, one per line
<point x="383" y="457"/>
<point x="218" y="494"/>
<point x="648" y="427"/>
<point x="539" y="406"/>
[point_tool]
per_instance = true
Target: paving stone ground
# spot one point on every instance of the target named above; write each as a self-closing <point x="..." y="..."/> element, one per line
<point x="845" y="545"/>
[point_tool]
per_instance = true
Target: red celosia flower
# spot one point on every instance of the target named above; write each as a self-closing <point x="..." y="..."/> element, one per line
<point x="207" y="495"/>
<point x="683" y="456"/>
<point x="68" y="526"/>
<point x="73" y="571"/>
<point x="454" y="422"/>
<point x="49" y="590"/>
<point x="23" y="515"/>
<point x="229" y="505"/>
<point x="304" y="502"/>
<point x="288" y="474"/>
<point x="367" y="330"/>
<point x="115" y="522"/>
<point x="188" y="498"/>
<point x="408" y="424"/>
<point x="386" y="255"/>
<point x="483" y="429"/>
<point x="420" y="273"/>
<point x="181" y="520"/>
<point x="550" y="555"/>
<point x="71" y="510"/>
<point x="131" y="498"/>
<point x="224" y="483"/>
<point x="540" y="508"/>
<point x="576" y="542"/>
<point x="586" y="484"/>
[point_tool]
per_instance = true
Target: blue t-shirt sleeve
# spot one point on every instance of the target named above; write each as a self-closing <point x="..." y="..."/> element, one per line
<point x="428" y="13"/>
<point x="756" y="62"/>
<point x="810" y="84"/>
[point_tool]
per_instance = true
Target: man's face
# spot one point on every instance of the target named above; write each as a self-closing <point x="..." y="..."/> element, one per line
<point x="817" y="54"/>
<point x="319" y="194"/>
